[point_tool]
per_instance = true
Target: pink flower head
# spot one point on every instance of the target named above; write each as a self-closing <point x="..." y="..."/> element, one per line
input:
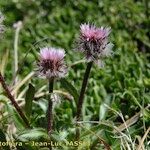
<point x="51" y="63"/>
<point x="93" y="42"/>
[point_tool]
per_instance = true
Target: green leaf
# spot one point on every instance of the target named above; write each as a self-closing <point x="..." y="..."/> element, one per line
<point x="135" y="100"/>
<point x="103" y="108"/>
<point x="32" y="134"/>
<point x="3" y="139"/>
<point x="16" y="117"/>
<point x="28" y="100"/>
<point x="96" y="129"/>
<point x="70" y="88"/>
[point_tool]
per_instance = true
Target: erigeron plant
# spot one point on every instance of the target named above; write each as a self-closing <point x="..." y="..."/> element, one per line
<point x="51" y="66"/>
<point x="94" y="43"/>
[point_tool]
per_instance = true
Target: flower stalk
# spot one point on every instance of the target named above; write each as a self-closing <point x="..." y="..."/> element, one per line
<point x="82" y="93"/>
<point x="83" y="89"/>
<point x="50" y="106"/>
<point x="14" y="103"/>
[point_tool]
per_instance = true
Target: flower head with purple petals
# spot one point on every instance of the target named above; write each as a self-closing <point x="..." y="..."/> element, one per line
<point x="51" y="63"/>
<point x="93" y="42"/>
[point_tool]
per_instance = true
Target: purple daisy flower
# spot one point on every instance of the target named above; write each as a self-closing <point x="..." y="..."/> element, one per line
<point x="93" y="42"/>
<point x="51" y="63"/>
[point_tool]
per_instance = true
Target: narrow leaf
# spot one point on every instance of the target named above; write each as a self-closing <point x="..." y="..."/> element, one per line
<point x="28" y="100"/>
<point x="70" y="88"/>
<point x="33" y="134"/>
<point x="95" y="129"/>
<point x="15" y="117"/>
<point x="103" y="109"/>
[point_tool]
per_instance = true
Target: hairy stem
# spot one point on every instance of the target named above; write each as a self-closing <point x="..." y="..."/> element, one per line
<point x="82" y="92"/>
<point x="14" y="103"/>
<point x="50" y="106"/>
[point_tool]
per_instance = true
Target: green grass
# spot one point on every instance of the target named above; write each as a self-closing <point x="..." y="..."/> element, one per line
<point x="115" y="93"/>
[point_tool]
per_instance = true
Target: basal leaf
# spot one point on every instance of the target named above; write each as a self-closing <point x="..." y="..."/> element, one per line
<point x="70" y="88"/>
<point x="28" y="100"/>
<point x="32" y="134"/>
